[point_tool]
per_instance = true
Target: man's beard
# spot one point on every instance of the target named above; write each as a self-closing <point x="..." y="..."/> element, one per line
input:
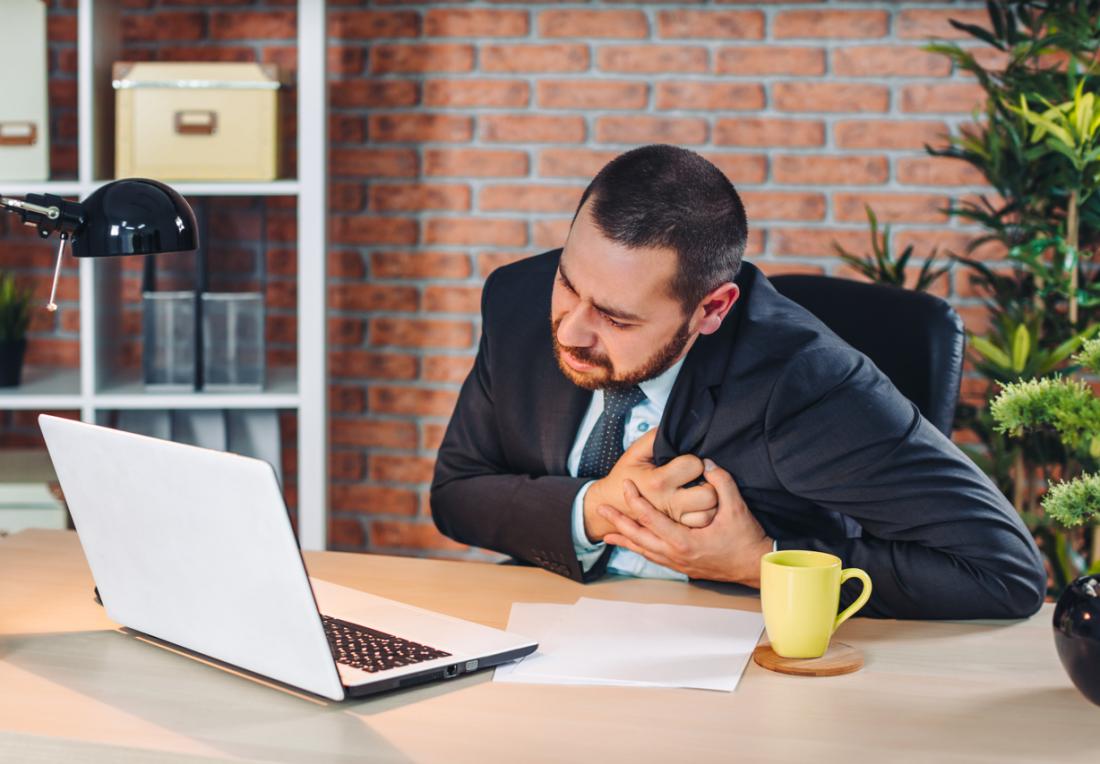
<point x="657" y="364"/>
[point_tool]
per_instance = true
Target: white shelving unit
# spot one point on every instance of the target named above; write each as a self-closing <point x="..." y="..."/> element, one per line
<point x="95" y="388"/>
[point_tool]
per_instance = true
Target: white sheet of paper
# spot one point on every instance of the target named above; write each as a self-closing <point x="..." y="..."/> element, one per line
<point x="623" y="643"/>
<point x="543" y="622"/>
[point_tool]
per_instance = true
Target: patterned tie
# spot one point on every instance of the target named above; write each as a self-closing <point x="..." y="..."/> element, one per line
<point x="605" y="444"/>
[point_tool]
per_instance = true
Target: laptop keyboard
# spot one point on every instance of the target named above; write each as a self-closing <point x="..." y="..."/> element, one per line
<point x="370" y="650"/>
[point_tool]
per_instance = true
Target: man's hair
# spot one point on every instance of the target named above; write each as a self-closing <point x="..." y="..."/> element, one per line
<point x="668" y="197"/>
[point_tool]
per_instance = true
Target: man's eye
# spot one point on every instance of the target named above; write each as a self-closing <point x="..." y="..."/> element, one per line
<point x="614" y="323"/>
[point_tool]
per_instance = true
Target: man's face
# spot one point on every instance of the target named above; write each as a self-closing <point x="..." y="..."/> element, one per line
<point x="614" y="321"/>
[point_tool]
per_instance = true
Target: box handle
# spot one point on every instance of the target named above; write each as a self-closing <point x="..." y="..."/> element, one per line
<point x="196" y="122"/>
<point x="18" y="133"/>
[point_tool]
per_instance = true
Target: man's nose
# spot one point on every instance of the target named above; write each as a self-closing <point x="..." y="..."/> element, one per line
<point x="573" y="331"/>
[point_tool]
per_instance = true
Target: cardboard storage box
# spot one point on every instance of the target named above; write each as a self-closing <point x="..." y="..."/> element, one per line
<point x="196" y="121"/>
<point x="24" y="117"/>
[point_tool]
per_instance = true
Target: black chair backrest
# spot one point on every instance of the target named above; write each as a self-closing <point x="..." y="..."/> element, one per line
<point x="916" y="339"/>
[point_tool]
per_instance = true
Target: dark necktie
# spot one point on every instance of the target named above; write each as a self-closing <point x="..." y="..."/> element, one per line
<point x="605" y="444"/>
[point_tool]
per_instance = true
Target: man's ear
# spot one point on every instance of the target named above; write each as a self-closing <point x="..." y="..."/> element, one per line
<point x="714" y="308"/>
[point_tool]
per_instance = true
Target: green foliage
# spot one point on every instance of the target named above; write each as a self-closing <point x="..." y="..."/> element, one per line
<point x="1036" y="140"/>
<point x="881" y="267"/>
<point x="1071" y="409"/>
<point x="1014" y="350"/>
<point x="1074" y="502"/>
<point x="15" y="309"/>
<point x="1066" y="405"/>
<point x="1050" y="262"/>
<point x="1068" y="130"/>
<point x="1089" y="357"/>
<point x="1049" y="50"/>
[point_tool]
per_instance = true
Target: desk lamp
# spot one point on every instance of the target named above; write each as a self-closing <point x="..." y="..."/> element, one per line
<point x="135" y="216"/>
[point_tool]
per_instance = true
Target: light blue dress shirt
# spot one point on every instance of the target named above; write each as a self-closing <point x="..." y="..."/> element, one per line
<point x="643" y="418"/>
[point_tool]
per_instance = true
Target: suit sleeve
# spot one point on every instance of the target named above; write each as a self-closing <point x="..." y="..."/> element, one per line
<point x="477" y="498"/>
<point x="939" y="539"/>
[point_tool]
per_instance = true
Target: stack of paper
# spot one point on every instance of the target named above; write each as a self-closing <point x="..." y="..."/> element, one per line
<point x="627" y="644"/>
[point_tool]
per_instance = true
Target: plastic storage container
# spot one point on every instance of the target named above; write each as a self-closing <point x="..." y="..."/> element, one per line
<point x="233" y="349"/>
<point x="168" y="331"/>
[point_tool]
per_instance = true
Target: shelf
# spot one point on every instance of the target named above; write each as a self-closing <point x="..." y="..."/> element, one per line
<point x="100" y="43"/>
<point x="44" y="388"/>
<point x="228" y="188"/>
<point x="128" y="392"/>
<point x="24" y="187"/>
<point x="186" y="188"/>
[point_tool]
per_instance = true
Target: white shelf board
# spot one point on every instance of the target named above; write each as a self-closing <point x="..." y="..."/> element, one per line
<point x="227" y="188"/>
<point x="24" y="187"/>
<point x="44" y="388"/>
<point x="128" y="392"/>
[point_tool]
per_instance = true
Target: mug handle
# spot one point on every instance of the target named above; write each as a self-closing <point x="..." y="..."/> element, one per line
<point x="845" y="575"/>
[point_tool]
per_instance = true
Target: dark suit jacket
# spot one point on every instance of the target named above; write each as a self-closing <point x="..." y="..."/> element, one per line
<point x="827" y="453"/>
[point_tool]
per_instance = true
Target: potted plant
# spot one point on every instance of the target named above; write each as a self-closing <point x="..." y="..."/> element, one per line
<point x="1036" y="140"/>
<point x="1069" y="409"/>
<point x="882" y="267"/>
<point x="15" y="316"/>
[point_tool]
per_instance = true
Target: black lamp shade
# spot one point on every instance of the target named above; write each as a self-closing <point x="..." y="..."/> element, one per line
<point x="135" y="216"/>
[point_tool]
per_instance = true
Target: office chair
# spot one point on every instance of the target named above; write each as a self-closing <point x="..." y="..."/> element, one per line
<point x="916" y="339"/>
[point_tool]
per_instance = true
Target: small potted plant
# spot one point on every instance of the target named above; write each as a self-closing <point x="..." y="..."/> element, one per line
<point x="1070" y="409"/>
<point x="15" y="316"/>
<point x="882" y="267"/>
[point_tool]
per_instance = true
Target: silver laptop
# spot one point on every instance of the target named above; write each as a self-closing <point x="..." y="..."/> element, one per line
<point x="195" y="548"/>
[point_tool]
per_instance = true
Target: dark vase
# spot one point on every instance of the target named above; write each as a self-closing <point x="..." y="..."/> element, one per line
<point x="1077" y="634"/>
<point x="11" y="362"/>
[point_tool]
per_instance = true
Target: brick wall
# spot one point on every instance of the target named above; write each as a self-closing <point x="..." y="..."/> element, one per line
<point x="462" y="135"/>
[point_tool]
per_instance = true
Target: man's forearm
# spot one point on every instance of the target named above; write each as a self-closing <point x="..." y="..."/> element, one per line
<point x="526" y="517"/>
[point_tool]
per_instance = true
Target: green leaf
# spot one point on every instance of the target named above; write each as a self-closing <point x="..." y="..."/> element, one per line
<point x="1060" y="353"/>
<point x="996" y="17"/>
<point x="976" y="31"/>
<point x="1061" y="135"/>
<point x="991" y="351"/>
<point x="903" y="259"/>
<point x="947" y="49"/>
<point x="1021" y="348"/>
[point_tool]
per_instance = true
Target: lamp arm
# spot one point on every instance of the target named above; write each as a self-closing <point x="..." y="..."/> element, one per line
<point x="48" y="213"/>
<point x="53" y="213"/>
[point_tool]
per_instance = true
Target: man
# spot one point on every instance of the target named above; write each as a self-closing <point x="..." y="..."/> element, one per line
<point x="750" y="425"/>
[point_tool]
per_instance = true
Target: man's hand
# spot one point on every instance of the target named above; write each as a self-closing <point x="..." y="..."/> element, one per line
<point x="728" y="549"/>
<point x="663" y="487"/>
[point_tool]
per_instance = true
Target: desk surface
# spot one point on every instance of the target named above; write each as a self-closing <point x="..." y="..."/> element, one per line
<point x="72" y="687"/>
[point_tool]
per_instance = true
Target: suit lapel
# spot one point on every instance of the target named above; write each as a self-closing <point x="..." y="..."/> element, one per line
<point x="556" y="403"/>
<point x="562" y="407"/>
<point x="691" y="404"/>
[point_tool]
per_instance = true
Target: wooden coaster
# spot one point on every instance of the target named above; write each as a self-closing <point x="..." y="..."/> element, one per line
<point x="838" y="659"/>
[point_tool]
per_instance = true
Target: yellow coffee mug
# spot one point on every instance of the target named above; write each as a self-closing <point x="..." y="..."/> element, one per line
<point x="799" y="593"/>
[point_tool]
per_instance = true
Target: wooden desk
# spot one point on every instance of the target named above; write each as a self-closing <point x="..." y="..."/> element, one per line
<point x="72" y="688"/>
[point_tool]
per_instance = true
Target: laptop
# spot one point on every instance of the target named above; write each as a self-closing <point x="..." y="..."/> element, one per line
<point x="194" y="547"/>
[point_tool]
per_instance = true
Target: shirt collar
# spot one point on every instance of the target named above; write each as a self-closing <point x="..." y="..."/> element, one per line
<point x="658" y="389"/>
